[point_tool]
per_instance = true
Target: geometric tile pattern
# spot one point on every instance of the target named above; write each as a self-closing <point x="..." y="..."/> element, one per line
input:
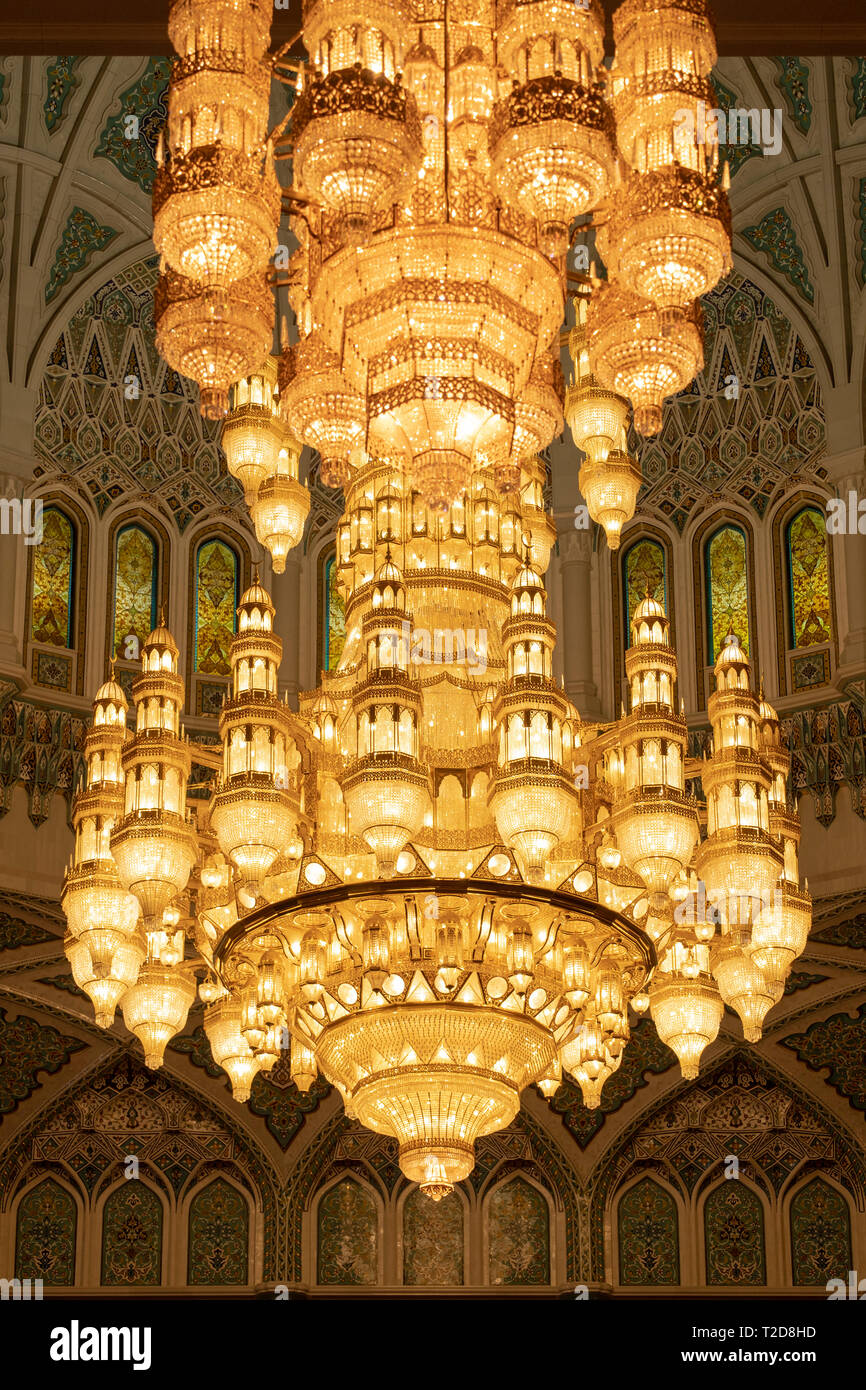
<point x="750" y="419"/>
<point x="647" y="1235"/>
<point x="120" y="421"/>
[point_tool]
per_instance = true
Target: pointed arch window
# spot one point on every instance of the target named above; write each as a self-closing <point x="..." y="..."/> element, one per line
<point x="136" y="566"/>
<point x="727" y="582"/>
<point x="648" y="1235"/>
<point x="217" y="595"/>
<point x="810" y="618"/>
<point x="734" y="1235"/>
<point x="820" y="1234"/>
<point x="644" y="570"/>
<point x="52" y="609"/>
<point x="519" y="1234"/>
<point x="219" y="1225"/>
<point x="132" y="1236"/>
<point x="334" y="618"/>
<point x="347" y="1235"/>
<point x="45" y="1234"/>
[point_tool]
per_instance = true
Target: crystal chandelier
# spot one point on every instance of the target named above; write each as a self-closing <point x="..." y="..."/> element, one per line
<point x="433" y="883"/>
<point x="431" y="950"/>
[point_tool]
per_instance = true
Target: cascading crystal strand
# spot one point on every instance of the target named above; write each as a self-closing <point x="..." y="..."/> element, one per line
<point x="356" y="130"/>
<point x="386" y="789"/>
<point x="213" y="342"/>
<point x="609" y="479"/>
<point x="552" y="138"/>
<point x="739" y="861"/>
<point x="152" y="843"/>
<point x="636" y="353"/>
<point x="531" y="798"/>
<point x="105" y="945"/>
<point x="669" y="233"/>
<point x="655" y="820"/>
<point x="255" y="808"/>
<point x="319" y="407"/>
<point x="216" y="200"/>
<point x="252" y="434"/>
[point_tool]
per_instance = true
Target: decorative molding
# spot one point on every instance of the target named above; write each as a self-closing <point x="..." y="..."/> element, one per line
<point x="837" y="1044"/>
<point x="776" y="238"/>
<point x="61" y="80"/>
<point x="28" y="1047"/>
<point x="793" y="83"/>
<point x="82" y="237"/>
<point x="145" y="100"/>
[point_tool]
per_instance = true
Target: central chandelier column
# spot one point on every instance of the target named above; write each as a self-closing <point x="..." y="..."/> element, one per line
<point x="531" y="797"/>
<point x="387" y="790"/>
<point x="255" y="810"/>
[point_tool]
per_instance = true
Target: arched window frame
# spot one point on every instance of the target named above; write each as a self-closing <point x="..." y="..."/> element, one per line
<point x="27" y="1188"/>
<point x="370" y="1187"/>
<point x="701" y="539"/>
<point x="682" y="1226"/>
<point x="798" y="1183"/>
<point x="166" y="1243"/>
<point x="767" y="1230"/>
<point x="467" y="1217"/>
<point x="200" y="1185"/>
<point x="70" y="660"/>
<point x="619" y="594"/>
<point x="205" y="689"/>
<point x="497" y="1181"/>
<point x="152" y="527"/>
<point x="790" y="659"/>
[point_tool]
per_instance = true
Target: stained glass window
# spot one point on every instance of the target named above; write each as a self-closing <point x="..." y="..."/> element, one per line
<point x="216" y="601"/>
<point x="644" y="570"/>
<point x="820" y="1234"/>
<point x="808" y="579"/>
<point x="135" y="573"/>
<point x="219" y="1222"/>
<point x="648" y="1236"/>
<point x="45" y="1235"/>
<point x="519" y="1242"/>
<point x="348" y="1235"/>
<point x="132" y="1236"/>
<point x="53" y="580"/>
<point x="432" y="1239"/>
<point x="727" y="589"/>
<point x="734" y="1235"/>
<point x="335" y="617"/>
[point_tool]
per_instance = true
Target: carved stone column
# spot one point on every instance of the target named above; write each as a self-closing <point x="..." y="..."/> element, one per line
<point x="286" y="593"/>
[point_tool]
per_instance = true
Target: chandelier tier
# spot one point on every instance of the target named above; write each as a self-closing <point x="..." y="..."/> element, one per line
<point x="433" y="883"/>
